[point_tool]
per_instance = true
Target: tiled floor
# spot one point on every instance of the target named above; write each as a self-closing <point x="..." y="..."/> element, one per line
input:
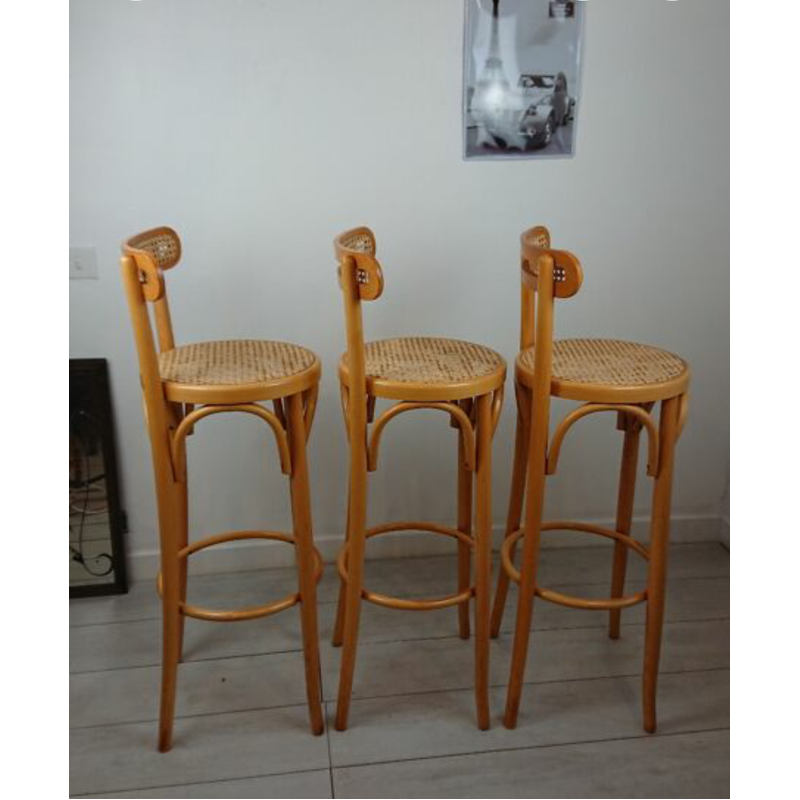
<point x="242" y="724"/>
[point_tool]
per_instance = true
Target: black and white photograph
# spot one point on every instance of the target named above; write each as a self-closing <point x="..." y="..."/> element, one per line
<point x="521" y="76"/>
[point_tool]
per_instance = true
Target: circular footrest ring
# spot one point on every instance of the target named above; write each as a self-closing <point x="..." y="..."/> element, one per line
<point x="236" y="615"/>
<point x="571" y="601"/>
<point x="399" y="602"/>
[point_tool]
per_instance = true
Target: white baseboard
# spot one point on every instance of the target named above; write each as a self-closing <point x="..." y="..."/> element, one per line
<point x="250" y="555"/>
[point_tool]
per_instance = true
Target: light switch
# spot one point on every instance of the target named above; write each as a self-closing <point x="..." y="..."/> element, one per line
<point x="82" y="263"/>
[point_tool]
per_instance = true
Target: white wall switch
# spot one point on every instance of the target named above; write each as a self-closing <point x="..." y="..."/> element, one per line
<point x="82" y="263"/>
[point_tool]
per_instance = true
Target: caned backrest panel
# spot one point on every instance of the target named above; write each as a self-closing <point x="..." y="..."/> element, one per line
<point x="567" y="272"/>
<point x="153" y="251"/>
<point x="146" y="255"/>
<point x="162" y="244"/>
<point x="355" y="249"/>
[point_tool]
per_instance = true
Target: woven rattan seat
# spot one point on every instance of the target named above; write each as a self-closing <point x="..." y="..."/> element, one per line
<point x="193" y="368"/>
<point x="582" y="368"/>
<point x="428" y="361"/>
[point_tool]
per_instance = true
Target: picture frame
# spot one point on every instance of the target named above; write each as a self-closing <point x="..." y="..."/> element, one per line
<point x="96" y="519"/>
<point x="521" y="86"/>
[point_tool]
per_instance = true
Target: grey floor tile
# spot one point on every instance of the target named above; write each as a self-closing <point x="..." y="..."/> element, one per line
<point x="228" y="590"/>
<point x="433" y="575"/>
<point x="138" y="644"/>
<point x="208" y="748"/>
<point x="683" y="765"/>
<point x="204" y="687"/>
<point x="413" y="692"/>
<point x="688" y="599"/>
<point x="296" y="784"/>
<point x="444" y="664"/>
<point x="593" y="564"/>
<point x="443" y="723"/>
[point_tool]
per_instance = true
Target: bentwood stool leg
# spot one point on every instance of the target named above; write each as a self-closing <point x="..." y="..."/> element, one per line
<point x="170" y="657"/>
<point x="304" y="546"/>
<point x="182" y="508"/>
<point x="625" y="496"/>
<point x="527" y="588"/>
<point x="171" y="593"/>
<point x="515" y="500"/>
<point x="483" y="557"/>
<point x="657" y="566"/>
<point x="464" y="525"/>
<point x="355" y="568"/>
<point x="179" y="492"/>
<point x="530" y="560"/>
<point x="338" y="627"/>
<point x="352" y="614"/>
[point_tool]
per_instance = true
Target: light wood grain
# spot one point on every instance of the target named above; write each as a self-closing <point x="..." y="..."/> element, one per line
<point x="624" y="378"/>
<point x="461" y="378"/>
<point x="222" y="377"/>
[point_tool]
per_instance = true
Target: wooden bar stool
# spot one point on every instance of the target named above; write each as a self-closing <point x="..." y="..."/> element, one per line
<point x="606" y="375"/>
<point x="181" y="386"/>
<point x="464" y="380"/>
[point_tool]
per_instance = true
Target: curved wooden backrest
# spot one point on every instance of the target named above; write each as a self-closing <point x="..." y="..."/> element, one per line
<point x="145" y="256"/>
<point x="153" y="251"/>
<point x="148" y="254"/>
<point x="360" y="278"/>
<point x="355" y="249"/>
<point x="546" y="274"/>
<point x="567" y="272"/>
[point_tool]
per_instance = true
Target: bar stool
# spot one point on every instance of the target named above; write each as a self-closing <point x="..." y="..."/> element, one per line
<point x="181" y="386"/>
<point x="464" y="380"/>
<point x="606" y="375"/>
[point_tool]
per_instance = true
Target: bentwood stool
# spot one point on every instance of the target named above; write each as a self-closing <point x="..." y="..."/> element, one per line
<point x="181" y="386"/>
<point x="464" y="380"/>
<point x="605" y="375"/>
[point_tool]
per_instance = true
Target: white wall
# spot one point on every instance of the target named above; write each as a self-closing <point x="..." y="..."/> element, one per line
<point x="261" y="128"/>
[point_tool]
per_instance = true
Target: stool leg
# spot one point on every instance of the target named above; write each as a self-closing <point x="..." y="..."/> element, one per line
<point x="530" y="562"/>
<point x="169" y="529"/>
<point x="483" y="557"/>
<point x="464" y="525"/>
<point x="625" y="495"/>
<point x="180" y="488"/>
<point x="304" y="547"/>
<point x="657" y="566"/>
<point x="338" y="627"/>
<point x="170" y="652"/>
<point x="515" y="500"/>
<point x="357" y="505"/>
<point x="182" y="502"/>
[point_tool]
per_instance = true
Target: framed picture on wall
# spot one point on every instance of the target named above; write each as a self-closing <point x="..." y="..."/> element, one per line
<point x="521" y="77"/>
